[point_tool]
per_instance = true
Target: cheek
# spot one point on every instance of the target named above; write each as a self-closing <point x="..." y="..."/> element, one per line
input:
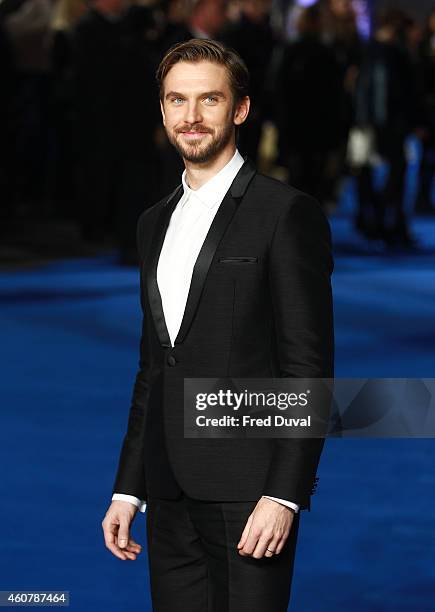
<point x="173" y="118"/>
<point x="217" y="116"/>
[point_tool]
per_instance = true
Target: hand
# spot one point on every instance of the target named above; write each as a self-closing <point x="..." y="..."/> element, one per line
<point x="268" y="526"/>
<point x="116" y="525"/>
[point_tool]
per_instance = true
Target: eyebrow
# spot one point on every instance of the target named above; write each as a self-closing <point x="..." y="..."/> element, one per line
<point x="215" y="92"/>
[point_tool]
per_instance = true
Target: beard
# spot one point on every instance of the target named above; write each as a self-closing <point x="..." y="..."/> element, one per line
<point x="197" y="151"/>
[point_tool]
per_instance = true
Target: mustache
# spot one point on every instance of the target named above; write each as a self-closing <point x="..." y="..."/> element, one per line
<point x="194" y="128"/>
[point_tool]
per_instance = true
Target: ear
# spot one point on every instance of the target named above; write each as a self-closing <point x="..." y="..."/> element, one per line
<point x="163" y="113"/>
<point x="242" y="110"/>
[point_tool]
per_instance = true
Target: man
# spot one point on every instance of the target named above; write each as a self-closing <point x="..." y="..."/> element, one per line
<point x="235" y="281"/>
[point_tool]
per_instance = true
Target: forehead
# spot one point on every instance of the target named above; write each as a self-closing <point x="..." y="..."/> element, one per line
<point x="197" y="77"/>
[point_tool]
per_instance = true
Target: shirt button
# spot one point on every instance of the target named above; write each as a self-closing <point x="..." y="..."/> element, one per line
<point x="171" y="360"/>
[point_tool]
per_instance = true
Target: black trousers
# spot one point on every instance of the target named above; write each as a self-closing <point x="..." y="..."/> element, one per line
<point x="195" y="565"/>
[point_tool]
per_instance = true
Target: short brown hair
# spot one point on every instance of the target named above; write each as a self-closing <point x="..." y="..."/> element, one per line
<point x="203" y="49"/>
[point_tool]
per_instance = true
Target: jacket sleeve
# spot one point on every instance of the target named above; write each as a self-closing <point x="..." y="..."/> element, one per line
<point x="300" y="268"/>
<point x="130" y="477"/>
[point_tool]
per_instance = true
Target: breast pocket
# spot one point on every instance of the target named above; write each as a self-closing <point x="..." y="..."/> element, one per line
<point x="238" y="260"/>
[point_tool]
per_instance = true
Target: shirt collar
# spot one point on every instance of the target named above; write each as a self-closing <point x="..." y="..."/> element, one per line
<point x="214" y="190"/>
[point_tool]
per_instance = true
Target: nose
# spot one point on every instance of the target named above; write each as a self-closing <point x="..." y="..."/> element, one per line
<point x="193" y="112"/>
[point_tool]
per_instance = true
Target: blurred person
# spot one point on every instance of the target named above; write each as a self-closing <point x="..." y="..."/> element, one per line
<point x="340" y="32"/>
<point x="233" y="10"/>
<point x="425" y="199"/>
<point x="222" y="515"/>
<point x="139" y="169"/>
<point x="251" y="35"/>
<point x="116" y="117"/>
<point x="97" y="92"/>
<point x="308" y="97"/>
<point x="385" y="104"/>
<point x="7" y="76"/>
<point x="174" y="28"/>
<point x="340" y="25"/>
<point x="97" y="69"/>
<point x="207" y="18"/>
<point x="413" y="34"/>
<point x="175" y="19"/>
<point x="65" y="16"/>
<point x="413" y="38"/>
<point x="27" y="28"/>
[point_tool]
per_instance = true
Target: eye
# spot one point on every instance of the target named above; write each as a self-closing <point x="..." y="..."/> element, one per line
<point x="211" y="99"/>
<point x="177" y="101"/>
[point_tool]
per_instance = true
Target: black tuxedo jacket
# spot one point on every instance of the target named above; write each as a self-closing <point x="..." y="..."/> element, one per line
<point x="259" y="305"/>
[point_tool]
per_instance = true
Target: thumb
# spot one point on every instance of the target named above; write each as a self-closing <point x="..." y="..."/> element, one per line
<point x="245" y="532"/>
<point x="123" y="534"/>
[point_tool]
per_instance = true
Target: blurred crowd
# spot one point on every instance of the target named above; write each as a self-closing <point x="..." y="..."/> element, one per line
<point x="81" y="134"/>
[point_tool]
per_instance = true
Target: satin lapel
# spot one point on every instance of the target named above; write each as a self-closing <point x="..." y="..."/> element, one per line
<point x="217" y="229"/>
<point x="154" y="296"/>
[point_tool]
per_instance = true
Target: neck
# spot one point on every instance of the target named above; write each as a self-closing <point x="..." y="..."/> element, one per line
<point x="198" y="174"/>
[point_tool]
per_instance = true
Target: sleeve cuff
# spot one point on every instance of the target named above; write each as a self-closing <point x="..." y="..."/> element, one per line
<point x="289" y="504"/>
<point x="139" y="503"/>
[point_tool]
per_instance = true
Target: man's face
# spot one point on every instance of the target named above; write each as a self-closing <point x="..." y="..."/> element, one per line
<point x="198" y="110"/>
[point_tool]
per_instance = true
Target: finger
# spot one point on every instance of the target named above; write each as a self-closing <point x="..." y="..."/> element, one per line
<point x="130" y="555"/>
<point x="272" y="546"/>
<point x="116" y="552"/>
<point x="123" y="554"/>
<point x="131" y="550"/>
<point x="133" y="546"/>
<point x="262" y="545"/>
<point x="245" y="532"/>
<point x="109" y="539"/>
<point x="123" y="533"/>
<point x="136" y="548"/>
<point x="251" y="542"/>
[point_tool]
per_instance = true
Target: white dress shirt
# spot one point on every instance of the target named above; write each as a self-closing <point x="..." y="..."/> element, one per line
<point x="187" y="229"/>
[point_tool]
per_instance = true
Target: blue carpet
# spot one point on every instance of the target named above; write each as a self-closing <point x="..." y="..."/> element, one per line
<point x="70" y="351"/>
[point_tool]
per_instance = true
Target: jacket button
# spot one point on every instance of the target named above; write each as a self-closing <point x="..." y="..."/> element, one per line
<point x="171" y="360"/>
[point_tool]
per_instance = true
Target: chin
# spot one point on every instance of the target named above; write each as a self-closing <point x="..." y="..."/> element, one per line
<point x="193" y="154"/>
<point x="198" y="158"/>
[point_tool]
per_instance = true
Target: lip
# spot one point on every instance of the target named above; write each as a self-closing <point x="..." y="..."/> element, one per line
<point x="193" y="134"/>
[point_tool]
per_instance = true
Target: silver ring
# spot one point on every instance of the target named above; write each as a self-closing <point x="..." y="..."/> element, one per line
<point x="272" y="551"/>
